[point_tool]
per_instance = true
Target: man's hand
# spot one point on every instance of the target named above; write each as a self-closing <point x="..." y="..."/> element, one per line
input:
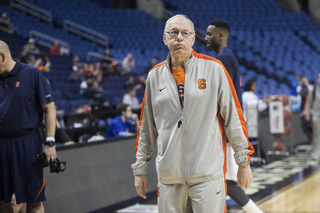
<point x="135" y="117"/>
<point x="50" y="152"/>
<point x="138" y="86"/>
<point x="139" y="181"/>
<point x="244" y="176"/>
<point x="307" y="118"/>
<point x="267" y="99"/>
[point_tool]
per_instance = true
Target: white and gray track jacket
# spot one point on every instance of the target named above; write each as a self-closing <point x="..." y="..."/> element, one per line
<point x="195" y="152"/>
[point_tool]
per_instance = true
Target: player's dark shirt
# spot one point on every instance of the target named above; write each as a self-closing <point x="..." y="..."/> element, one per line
<point x="22" y="92"/>
<point x="230" y="62"/>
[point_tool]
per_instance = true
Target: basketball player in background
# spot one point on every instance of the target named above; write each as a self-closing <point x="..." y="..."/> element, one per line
<point x="217" y="39"/>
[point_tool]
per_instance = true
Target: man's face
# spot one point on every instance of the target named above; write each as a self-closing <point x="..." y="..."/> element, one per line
<point x="180" y="45"/>
<point x="31" y="41"/>
<point x="131" y="79"/>
<point x="305" y="81"/>
<point x="254" y="87"/>
<point x="154" y="61"/>
<point x="76" y="58"/>
<point x="95" y="85"/>
<point x="132" y="93"/>
<point x="128" y="113"/>
<point x="212" y="38"/>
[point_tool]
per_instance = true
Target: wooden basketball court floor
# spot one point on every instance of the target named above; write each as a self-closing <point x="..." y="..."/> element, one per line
<point x="287" y="185"/>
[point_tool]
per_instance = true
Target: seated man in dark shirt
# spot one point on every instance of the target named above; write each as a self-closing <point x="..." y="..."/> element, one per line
<point x="125" y="124"/>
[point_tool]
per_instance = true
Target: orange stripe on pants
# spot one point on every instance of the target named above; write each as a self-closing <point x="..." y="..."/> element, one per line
<point x="42" y="187"/>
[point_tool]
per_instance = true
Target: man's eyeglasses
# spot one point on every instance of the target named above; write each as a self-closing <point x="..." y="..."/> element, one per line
<point x="175" y="33"/>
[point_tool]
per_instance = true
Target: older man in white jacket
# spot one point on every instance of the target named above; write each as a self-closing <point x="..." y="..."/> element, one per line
<point x="189" y="101"/>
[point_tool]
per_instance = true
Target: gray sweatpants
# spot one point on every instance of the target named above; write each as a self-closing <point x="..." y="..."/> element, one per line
<point x="205" y="197"/>
<point x="316" y="137"/>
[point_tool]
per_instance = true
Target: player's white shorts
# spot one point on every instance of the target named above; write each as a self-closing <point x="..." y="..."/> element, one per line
<point x="232" y="167"/>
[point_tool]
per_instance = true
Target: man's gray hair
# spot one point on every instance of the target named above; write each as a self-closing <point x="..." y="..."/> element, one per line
<point x="179" y="16"/>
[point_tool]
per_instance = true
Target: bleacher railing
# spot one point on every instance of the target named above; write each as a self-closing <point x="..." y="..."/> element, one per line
<point x="100" y="56"/>
<point x="200" y="34"/>
<point x="86" y="32"/>
<point x="32" y="9"/>
<point x="6" y="26"/>
<point x="46" y="40"/>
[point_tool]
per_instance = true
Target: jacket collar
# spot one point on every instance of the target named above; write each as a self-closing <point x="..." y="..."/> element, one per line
<point x="187" y="64"/>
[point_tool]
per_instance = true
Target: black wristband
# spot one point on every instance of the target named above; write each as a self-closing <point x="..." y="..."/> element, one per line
<point x="50" y="143"/>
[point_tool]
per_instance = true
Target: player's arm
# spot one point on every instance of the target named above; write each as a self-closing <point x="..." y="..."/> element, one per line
<point x="50" y="124"/>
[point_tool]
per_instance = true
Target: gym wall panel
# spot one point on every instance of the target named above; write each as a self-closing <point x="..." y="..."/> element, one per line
<point x="98" y="174"/>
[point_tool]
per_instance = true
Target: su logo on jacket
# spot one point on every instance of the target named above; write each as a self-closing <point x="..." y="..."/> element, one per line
<point x="202" y="83"/>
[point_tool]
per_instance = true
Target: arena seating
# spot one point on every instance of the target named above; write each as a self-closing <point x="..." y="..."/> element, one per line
<point x="271" y="45"/>
<point x="266" y="40"/>
<point x="23" y="23"/>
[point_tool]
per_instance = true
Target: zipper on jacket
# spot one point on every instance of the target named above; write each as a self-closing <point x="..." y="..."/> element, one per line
<point x="179" y="125"/>
<point x="183" y="149"/>
<point x="183" y="145"/>
<point x="181" y="119"/>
